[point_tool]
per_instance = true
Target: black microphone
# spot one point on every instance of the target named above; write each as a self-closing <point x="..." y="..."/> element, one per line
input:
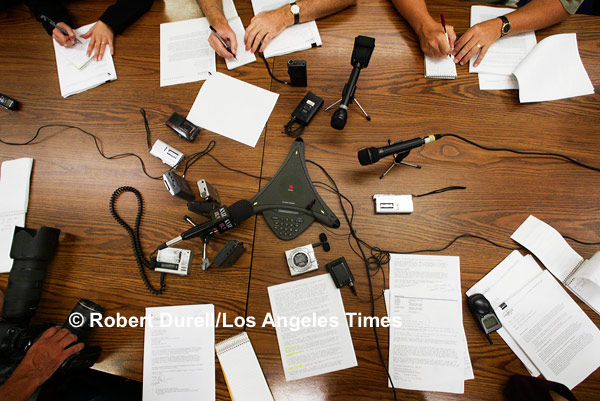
<point x="361" y="55"/>
<point x="372" y="155"/>
<point x="222" y="219"/>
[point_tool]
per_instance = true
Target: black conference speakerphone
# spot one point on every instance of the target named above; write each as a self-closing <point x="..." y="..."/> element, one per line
<point x="290" y="202"/>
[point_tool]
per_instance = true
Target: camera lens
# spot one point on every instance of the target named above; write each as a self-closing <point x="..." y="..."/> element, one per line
<point x="83" y="311"/>
<point x="300" y="259"/>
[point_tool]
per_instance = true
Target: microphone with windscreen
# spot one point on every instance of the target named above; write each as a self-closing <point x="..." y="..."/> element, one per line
<point x="361" y="55"/>
<point x="222" y="219"/>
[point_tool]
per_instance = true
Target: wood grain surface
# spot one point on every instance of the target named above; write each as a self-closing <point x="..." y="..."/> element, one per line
<point x="71" y="183"/>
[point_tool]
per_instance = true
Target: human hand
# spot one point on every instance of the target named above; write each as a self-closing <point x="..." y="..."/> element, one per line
<point x="67" y="41"/>
<point x="478" y="38"/>
<point x="433" y="40"/>
<point x="100" y="35"/>
<point x="228" y="36"/>
<point x="265" y="26"/>
<point x="40" y="362"/>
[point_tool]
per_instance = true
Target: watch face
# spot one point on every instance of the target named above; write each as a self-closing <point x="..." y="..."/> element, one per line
<point x="506" y="28"/>
<point x="295" y="9"/>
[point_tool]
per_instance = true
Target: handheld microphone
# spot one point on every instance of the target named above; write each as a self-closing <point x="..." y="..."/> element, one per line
<point x="361" y="55"/>
<point x="222" y="219"/>
<point x="372" y="155"/>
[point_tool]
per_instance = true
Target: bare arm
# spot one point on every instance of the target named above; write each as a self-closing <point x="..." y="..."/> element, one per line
<point x="430" y="32"/>
<point x="268" y="24"/>
<point x="535" y="15"/>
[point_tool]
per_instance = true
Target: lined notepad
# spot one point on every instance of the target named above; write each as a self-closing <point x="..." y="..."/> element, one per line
<point x="244" y="377"/>
<point x="443" y="68"/>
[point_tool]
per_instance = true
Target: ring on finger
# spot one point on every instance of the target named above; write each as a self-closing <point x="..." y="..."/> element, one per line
<point x="478" y="45"/>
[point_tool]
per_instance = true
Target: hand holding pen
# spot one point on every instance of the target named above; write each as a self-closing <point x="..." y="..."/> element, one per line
<point x="219" y="42"/>
<point x="62" y="32"/>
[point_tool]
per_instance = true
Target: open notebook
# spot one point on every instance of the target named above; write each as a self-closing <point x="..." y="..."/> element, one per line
<point x="244" y="377"/>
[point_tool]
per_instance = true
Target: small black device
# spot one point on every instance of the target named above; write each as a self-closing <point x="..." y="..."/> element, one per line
<point x="202" y="207"/>
<point x="304" y="112"/>
<point x="183" y="127"/>
<point x="340" y="273"/>
<point x="297" y="72"/>
<point x="484" y="314"/>
<point x="229" y="254"/>
<point x="12" y="104"/>
<point x="178" y="186"/>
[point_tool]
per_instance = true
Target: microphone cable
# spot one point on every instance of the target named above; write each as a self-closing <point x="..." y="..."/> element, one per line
<point x="134" y="236"/>
<point x="269" y="70"/>
<point x="522" y="152"/>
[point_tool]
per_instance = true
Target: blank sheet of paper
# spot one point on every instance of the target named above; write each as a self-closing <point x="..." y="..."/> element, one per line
<point x="242" y="55"/>
<point x="553" y="70"/>
<point x="232" y="108"/>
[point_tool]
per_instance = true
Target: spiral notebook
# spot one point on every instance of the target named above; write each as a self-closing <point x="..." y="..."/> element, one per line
<point x="244" y="377"/>
<point x="442" y="68"/>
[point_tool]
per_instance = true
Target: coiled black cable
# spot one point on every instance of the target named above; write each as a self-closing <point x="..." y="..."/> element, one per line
<point x="134" y="236"/>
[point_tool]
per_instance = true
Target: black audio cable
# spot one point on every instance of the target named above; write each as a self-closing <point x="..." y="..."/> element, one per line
<point x="134" y="236"/>
<point x="269" y="70"/>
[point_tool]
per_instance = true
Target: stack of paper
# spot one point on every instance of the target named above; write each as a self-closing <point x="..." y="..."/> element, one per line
<point x="443" y="68"/>
<point x="311" y="326"/>
<point x="292" y="39"/>
<point x="428" y="352"/>
<point x="76" y="71"/>
<point x="503" y="56"/>
<point x="14" y="200"/>
<point x="179" y="359"/>
<point x="545" y="328"/>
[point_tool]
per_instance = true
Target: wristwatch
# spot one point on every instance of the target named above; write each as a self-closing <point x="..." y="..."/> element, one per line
<point x="505" y="26"/>
<point x="295" y="10"/>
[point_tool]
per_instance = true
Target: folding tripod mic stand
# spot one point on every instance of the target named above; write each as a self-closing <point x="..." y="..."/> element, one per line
<point x="353" y="100"/>
<point x="398" y="159"/>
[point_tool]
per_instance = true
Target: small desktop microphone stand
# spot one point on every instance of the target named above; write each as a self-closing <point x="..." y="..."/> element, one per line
<point x="368" y="117"/>
<point x="398" y="159"/>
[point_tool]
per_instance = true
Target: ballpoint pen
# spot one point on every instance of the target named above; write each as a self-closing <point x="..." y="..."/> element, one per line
<point x="222" y="41"/>
<point x="64" y="32"/>
<point x="444" y="25"/>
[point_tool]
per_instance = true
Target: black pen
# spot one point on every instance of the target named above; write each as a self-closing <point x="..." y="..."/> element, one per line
<point x="64" y="32"/>
<point x="222" y="42"/>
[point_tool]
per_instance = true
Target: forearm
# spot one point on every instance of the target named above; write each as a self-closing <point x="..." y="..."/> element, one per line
<point x="311" y="10"/>
<point x="536" y="15"/>
<point x="415" y="12"/>
<point x="124" y="13"/>
<point x="213" y="11"/>
<point x="19" y="386"/>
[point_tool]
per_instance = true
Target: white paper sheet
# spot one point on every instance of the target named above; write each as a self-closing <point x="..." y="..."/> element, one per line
<point x="324" y="345"/>
<point x="294" y="38"/>
<point x="179" y="359"/>
<point x="505" y="54"/>
<point x="77" y="54"/>
<point x="232" y="108"/>
<point x="185" y="55"/>
<point x="497" y="82"/>
<point x="427" y="352"/>
<point x="73" y="80"/>
<point x="242" y="55"/>
<point x="553" y="70"/>
<point x="554" y="332"/>
<point x="501" y="283"/>
<point x="548" y="245"/>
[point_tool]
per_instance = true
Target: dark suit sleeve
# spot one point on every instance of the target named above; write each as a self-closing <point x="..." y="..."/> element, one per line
<point x="124" y="13"/>
<point x="51" y="9"/>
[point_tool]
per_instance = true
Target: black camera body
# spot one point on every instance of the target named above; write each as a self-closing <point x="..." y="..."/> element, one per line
<point x="31" y="252"/>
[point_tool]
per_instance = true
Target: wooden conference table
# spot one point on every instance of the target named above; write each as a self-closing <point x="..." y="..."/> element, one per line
<point x="71" y="184"/>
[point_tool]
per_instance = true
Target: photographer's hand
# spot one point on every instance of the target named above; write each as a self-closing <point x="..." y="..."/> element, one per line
<point x="41" y="361"/>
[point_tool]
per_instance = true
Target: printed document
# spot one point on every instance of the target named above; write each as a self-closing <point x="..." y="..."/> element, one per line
<point x="501" y="283"/>
<point x="294" y="38"/>
<point x="15" y="176"/>
<point x="73" y="80"/>
<point x="179" y="359"/>
<point x="311" y="326"/>
<point x="505" y="54"/>
<point x="553" y="331"/>
<point x="427" y="352"/>
<point x="232" y="108"/>
<point x="553" y="70"/>
<point x="185" y="55"/>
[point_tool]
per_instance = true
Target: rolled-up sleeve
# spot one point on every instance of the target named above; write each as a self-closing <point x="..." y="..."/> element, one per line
<point x="571" y="6"/>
